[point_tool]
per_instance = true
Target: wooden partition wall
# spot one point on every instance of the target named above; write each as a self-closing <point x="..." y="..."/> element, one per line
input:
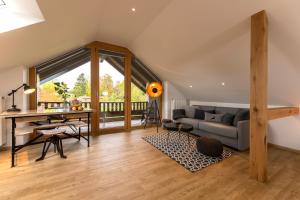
<point x="259" y="112"/>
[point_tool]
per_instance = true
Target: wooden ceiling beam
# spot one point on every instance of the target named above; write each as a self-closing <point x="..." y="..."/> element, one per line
<point x="109" y="47"/>
<point x="276" y="113"/>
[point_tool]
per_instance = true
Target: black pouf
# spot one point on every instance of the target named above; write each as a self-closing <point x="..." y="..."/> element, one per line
<point x="209" y="146"/>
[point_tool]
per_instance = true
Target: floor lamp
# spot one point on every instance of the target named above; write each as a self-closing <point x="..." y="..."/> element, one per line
<point x="154" y="91"/>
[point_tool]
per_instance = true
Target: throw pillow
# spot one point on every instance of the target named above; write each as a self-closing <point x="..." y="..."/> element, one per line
<point x="242" y="114"/>
<point x="178" y="113"/>
<point x="213" y="117"/>
<point x="200" y="114"/>
<point x="190" y="111"/>
<point x="228" y="119"/>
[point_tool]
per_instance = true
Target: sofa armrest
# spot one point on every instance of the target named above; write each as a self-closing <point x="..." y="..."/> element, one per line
<point x="243" y="129"/>
<point x="178" y="113"/>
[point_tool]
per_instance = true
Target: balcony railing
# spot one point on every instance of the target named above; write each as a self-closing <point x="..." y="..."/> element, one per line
<point x="109" y="111"/>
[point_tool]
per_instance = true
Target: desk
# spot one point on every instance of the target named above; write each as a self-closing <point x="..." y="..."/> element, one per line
<point x="14" y="116"/>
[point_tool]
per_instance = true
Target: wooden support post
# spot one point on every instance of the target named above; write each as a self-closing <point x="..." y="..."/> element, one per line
<point x="33" y="83"/>
<point x="258" y="96"/>
<point x="127" y="97"/>
<point x="95" y="91"/>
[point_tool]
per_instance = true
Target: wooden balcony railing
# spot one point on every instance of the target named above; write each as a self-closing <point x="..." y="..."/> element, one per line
<point x="112" y="110"/>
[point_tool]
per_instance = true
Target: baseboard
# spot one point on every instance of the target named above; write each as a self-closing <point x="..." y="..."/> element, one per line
<point x="284" y="148"/>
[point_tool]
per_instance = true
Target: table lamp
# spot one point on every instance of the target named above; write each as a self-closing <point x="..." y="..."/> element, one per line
<point x="27" y="90"/>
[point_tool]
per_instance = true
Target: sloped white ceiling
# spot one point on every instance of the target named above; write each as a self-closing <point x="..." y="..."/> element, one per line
<point x="191" y="42"/>
<point x="73" y="23"/>
<point x="206" y="42"/>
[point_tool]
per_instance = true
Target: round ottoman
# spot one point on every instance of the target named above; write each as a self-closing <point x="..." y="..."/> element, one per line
<point x="209" y="146"/>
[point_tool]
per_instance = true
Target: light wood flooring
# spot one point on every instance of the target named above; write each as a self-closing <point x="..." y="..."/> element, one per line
<point x="124" y="166"/>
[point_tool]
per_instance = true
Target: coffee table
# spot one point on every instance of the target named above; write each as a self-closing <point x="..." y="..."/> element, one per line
<point x="180" y="128"/>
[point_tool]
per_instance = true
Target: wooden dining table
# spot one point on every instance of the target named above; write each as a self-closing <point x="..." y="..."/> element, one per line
<point x="34" y="115"/>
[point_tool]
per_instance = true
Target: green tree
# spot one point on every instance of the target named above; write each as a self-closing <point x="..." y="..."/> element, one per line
<point x="88" y="92"/>
<point x="137" y="94"/>
<point x="81" y="86"/>
<point x="106" y="88"/>
<point x="48" y="93"/>
<point x="118" y="94"/>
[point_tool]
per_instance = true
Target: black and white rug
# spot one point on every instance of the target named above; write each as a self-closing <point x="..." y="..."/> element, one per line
<point x="183" y="152"/>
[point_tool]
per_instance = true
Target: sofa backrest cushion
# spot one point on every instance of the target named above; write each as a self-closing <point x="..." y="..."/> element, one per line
<point x="213" y="117"/>
<point x="190" y="111"/>
<point x="223" y="110"/>
<point x="200" y="114"/>
<point x="178" y="113"/>
<point x="228" y="119"/>
<point x="234" y="114"/>
<point x="242" y="114"/>
<point x="207" y="108"/>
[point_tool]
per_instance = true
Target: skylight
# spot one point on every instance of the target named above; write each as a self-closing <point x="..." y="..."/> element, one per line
<point x="16" y="14"/>
<point x="2" y="3"/>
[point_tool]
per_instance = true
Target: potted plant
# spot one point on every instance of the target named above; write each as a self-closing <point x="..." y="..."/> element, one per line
<point x="61" y="89"/>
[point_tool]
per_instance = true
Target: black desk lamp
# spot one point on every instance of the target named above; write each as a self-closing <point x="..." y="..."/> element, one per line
<point x="27" y="90"/>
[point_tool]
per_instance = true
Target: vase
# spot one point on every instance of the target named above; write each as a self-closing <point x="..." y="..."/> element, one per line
<point x="66" y="105"/>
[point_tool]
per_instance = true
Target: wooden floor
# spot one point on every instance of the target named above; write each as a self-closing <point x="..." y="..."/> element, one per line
<point x="123" y="166"/>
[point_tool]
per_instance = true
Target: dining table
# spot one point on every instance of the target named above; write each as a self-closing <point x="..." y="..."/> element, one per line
<point x="36" y="115"/>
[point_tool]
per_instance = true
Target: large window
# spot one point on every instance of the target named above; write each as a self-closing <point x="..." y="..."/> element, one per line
<point x="77" y="82"/>
<point x="139" y="103"/>
<point x="111" y="91"/>
<point x="78" y="73"/>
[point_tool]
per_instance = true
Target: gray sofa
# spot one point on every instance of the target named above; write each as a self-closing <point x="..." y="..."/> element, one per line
<point x="235" y="134"/>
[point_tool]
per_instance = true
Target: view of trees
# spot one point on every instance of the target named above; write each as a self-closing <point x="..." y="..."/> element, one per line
<point x="81" y="86"/>
<point x="48" y="93"/>
<point x="108" y="90"/>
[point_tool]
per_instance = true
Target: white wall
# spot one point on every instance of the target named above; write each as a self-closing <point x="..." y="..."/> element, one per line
<point x="2" y="124"/>
<point x="283" y="132"/>
<point x="172" y="99"/>
<point x="9" y="80"/>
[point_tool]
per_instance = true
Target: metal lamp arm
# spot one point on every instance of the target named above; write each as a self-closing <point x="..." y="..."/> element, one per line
<point x="13" y="91"/>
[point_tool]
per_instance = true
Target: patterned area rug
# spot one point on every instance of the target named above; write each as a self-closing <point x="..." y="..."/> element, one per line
<point x="183" y="152"/>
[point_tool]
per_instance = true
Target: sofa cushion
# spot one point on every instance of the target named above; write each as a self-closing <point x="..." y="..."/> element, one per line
<point x="218" y="129"/>
<point x="190" y="111"/>
<point x="223" y="110"/>
<point x="191" y="121"/>
<point x="200" y="114"/>
<point x="213" y="117"/>
<point x="228" y="119"/>
<point x="206" y="107"/>
<point x="178" y="113"/>
<point x="242" y="114"/>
